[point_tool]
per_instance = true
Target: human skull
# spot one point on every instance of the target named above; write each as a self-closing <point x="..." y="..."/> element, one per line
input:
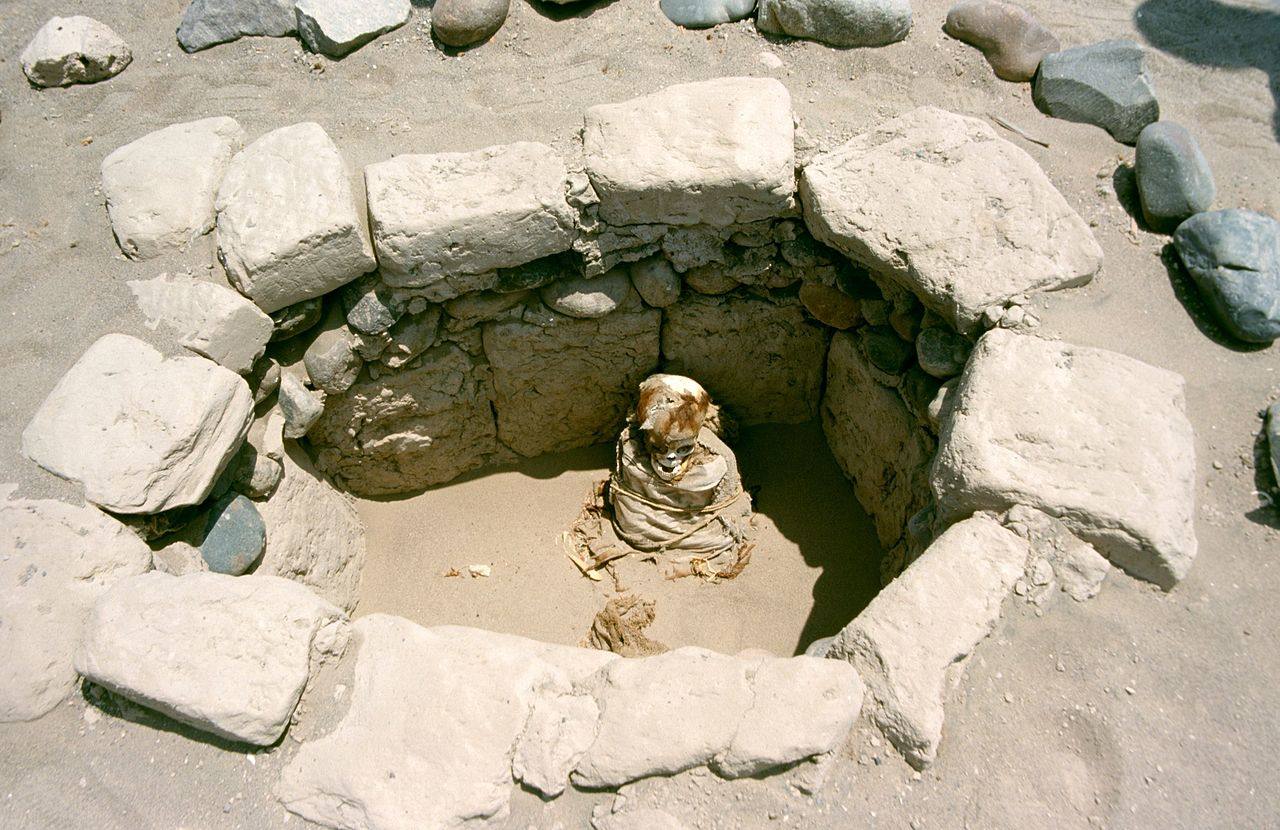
<point x="670" y="413"/>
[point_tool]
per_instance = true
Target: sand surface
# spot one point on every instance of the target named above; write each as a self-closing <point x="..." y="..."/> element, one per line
<point x="1044" y="731"/>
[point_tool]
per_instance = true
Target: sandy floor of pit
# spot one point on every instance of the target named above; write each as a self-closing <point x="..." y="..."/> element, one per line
<point x="814" y="566"/>
<point x="1026" y="745"/>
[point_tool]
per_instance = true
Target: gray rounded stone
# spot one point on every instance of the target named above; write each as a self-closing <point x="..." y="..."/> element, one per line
<point x="207" y="23"/>
<point x="1011" y="40"/>
<point x="837" y="22"/>
<point x="588" y="298"/>
<point x="656" y="281"/>
<point x="234" y="535"/>
<point x="886" y="351"/>
<point x="1174" y="179"/>
<point x="332" y="362"/>
<point x="293" y="320"/>
<point x="300" y="406"/>
<point x="1273" y="439"/>
<point x="1234" y="258"/>
<point x="702" y="14"/>
<point x="941" y="352"/>
<point x="460" y="23"/>
<point x="1105" y="84"/>
<point x="371" y="305"/>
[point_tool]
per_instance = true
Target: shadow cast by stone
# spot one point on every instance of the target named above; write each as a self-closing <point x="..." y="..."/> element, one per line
<point x="578" y="10"/>
<point x="1267" y="513"/>
<point x="1184" y="288"/>
<point x="110" y="703"/>
<point x="812" y="504"/>
<point x="1124" y="181"/>
<point x="1213" y="33"/>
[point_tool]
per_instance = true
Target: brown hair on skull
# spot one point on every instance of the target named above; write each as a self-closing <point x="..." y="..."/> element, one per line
<point x="670" y="414"/>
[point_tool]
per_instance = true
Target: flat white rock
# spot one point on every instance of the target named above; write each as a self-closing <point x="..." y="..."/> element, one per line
<point x="74" y="50"/>
<point x="428" y="738"/>
<point x="289" y="227"/>
<point x="922" y="624"/>
<point x="336" y="27"/>
<point x="160" y="188"/>
<point x="314" y="534"/>
<point x="228" y="655"/>
<point x="1092" y="437"/>
<point x="55" y="558"/>
<point x="212" y="320"/>
<point x="142" y="433"/>
<point x="711" y="152"/>
<point x="941" y="204"/>
<point x="435" y="216"/>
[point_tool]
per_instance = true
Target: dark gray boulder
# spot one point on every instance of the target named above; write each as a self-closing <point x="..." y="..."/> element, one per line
<point x="210" y="22"/>
<point x="1234" y="258"/>
<point x="1174" y="180"/>
<point x="1105" y="84"/>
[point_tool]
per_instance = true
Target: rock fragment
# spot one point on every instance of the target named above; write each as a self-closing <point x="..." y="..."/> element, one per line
<point x="1104" y="84"/>
<point x="74" y="50"/>
<point x="142" y="433"/>
<point x="160" y="188"/>
<point x="1234" y="258"/>
<point x="656" y="281"/>
<point x="338" y="27"/>
<point x="837" y="22"/>
<point x="294" y="319"/>
<point x="55" y="559"/>
<point x="436" y="216"/>
<point x="941" y="352"/>
<point x="906" y="657"/>
<point x="234" y="535"/>
<point x="331" y="360"/>
<point x="1174" y="179"/>
<point x="999" y="228"/>
<point x="288" y="225"/>
<point x="301" y="407"/>
<point x="213" y="321"/>
<point x="1079" y="569"/>
<point x="829" y="305"/>
<point x="711" y="152"/>
<point x="462" y="23"/>
<point x="1095" y="438"/>
<point x="1008" y="36"/>
<point x="702" y="14"/>
<point x="559" y="731"/>
<point x="589" y="298"/>
<point x="227" y="655"/>
<point x="207" y="23"/>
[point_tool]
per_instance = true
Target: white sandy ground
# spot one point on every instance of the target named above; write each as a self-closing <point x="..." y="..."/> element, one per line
<point x="1044" y="732"/>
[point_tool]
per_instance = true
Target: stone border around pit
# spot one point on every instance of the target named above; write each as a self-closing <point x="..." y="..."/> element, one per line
<point x="504" y="302"/>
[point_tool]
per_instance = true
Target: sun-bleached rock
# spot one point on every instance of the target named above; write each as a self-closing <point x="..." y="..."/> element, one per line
<point x="314" y="534"/>
<point x="434" y="216"/>
<point x="710" y="152"/>
<point x="588" y="298"/>
<point x="921" y="626"/>
<point x="559" y="731"/>
<point x="570" y="383"/>
<point x="665" y="714"/>
<point x="74" y="50"/>
<point x="142" y="433"/>
<point x="1092" y="437"/>
<point x="211" y="320"/>
<point x="207" y="23"/>
<point x="760" y="359"/>
<point x="337" y="27"/>
<point x="643" y="818"/>
<point x="160" y="188"/>
<point x="997" y="227"/>
<point x="1077" y="567"/>
<point x="441" y="708"/>
<point x="55" y="559"/>
<point x="409" y="429"/>
<point x="289" y="227"/>
<point x="801" y="707"/>
<point x="228" y="655"/>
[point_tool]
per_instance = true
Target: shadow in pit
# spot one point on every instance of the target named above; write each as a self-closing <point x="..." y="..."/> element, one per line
<point x="1236" y="35"/>
<point x="797" y="483"/>
<point x="1184" y="288"/>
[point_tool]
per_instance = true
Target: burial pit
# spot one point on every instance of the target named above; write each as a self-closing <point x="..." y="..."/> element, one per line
<point x="406" y="399"/>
